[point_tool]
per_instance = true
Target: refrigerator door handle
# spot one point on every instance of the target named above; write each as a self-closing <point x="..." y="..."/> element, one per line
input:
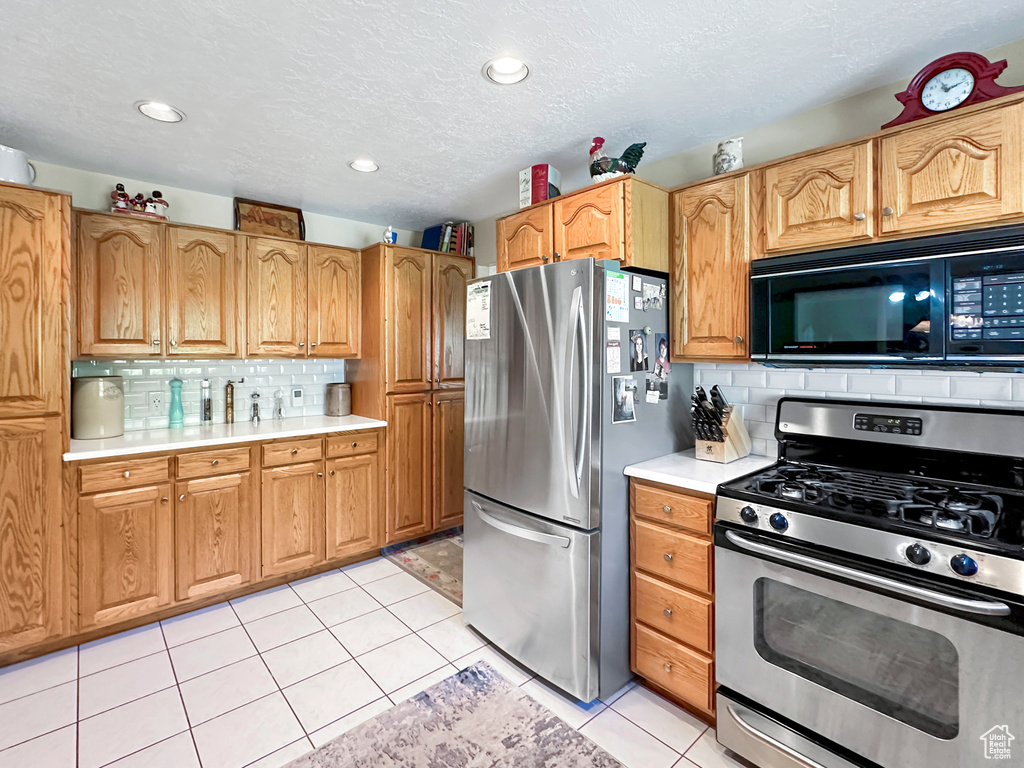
<point x="522" y="533"/>
<point x="578" y="393"/>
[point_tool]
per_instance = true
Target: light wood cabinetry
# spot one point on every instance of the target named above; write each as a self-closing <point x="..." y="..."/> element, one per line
<point x="711" y="251"/>
<point x="954" y="173"/>
<point x="205" y="293"/>
<point x="409" y="469"/>
<point x="625" y="220"/>
<point x="449" y="415"/>
<point x="450" y="276"/>
<point x="355" y="516"/>
<point x="672" y="593"/>
<point x="334" y="302"/>
<point x="293" y="517"/>
<point x="409" y="312"/>
<point x="120" y="274"/>
<point x="821" y="200"/>
<point x="277" y="298"/>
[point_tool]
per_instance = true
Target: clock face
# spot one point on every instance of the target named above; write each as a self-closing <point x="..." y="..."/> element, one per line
<point x="947" y="89"/>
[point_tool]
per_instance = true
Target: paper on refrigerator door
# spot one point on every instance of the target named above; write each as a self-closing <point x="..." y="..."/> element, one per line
<point x="616" y="301"/>
<point x="614" y="355"/>
<point x="478" y="311"/>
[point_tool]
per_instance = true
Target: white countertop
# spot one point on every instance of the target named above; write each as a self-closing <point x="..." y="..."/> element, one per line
<point x="684" y="471"/>
<point x="158" y="440"/>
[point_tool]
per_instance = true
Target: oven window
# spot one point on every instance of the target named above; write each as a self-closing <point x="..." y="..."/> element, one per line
<point x="905" y="672"/>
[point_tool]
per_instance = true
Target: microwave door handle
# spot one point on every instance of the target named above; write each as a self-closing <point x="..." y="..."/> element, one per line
<point x="980" y="607"/>
<point x="800" y="760"/>
<point x="523" y="533"/>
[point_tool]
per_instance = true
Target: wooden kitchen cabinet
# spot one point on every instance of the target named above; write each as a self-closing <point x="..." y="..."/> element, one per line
<point x="590" y="224"/>
<point x="293" y="517"/>
<point x="449" y="415"/>
<point x="409" y="468"/>
<point x="525" y="239"/>
<point x="409" y="311"/>
<point x="31" y="587"/>
<point x="334" y="302"/>
<point x="450" y="276"/>
<point x="355" y="519"/>
<point x="821" y="200"/>
<point x="954" y="173"/>
<point x="205" y="293"/>
<point x="216" y="547"/>
<point x="126" y="554"/>
<point x="120" y="263"/>
<point x="711" y="252"/>
<point x="277" y="298"/>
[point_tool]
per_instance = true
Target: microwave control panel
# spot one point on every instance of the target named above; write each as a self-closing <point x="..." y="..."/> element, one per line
<point x="988" y="307"/>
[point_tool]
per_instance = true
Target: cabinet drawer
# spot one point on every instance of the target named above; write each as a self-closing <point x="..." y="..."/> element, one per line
<point x="679" y="670"/>
<point x="207" y="463"/>
<point x="292" y="452"/>
<point x="663" y="506"/>
<point x="351" y="445"/>
<point x="115" y="475"/>
<point x="675" y="556"/>
<point x="676" y="612"/>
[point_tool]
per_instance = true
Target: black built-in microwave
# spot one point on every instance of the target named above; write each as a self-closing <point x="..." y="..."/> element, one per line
<point x="941" y="300"/>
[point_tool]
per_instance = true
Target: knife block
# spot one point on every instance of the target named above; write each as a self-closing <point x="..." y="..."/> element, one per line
<point x="735" y="446"/>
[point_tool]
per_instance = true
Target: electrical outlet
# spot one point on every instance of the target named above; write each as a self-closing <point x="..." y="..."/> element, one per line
<point x="156" y="404"/>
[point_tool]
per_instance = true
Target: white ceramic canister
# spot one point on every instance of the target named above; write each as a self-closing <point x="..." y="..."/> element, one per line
<point x="15" y="167"/>
<point x="97" y="407"/>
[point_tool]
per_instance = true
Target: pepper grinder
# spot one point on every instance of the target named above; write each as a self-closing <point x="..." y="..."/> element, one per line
<point x="205" y="402"/>
<point x="255" y="415"/>
<point x="229" y="402"/>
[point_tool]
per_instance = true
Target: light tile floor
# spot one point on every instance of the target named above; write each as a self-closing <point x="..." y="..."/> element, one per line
<point x="265" y="678"/>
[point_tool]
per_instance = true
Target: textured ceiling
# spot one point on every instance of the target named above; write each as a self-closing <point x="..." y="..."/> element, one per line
<point x="281" y="94"/>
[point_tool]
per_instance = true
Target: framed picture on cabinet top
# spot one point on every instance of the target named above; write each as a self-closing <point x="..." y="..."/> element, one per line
<point x="258" y="218"/>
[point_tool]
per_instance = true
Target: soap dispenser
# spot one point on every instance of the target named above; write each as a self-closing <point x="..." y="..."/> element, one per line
<point x="176" y="410"/>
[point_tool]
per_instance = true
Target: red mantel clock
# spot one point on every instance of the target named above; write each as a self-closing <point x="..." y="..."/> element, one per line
<point x="956" y="80"/>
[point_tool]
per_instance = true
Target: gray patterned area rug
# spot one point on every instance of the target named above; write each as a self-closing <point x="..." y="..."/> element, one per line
<point x="474" y="719"/>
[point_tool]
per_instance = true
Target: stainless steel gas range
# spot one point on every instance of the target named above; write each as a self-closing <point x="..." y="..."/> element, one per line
<point x="870" y="590"/>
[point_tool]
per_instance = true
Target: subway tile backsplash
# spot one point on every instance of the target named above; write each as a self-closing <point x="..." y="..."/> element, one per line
<point x="758" y="390"/>
<point x="142" y="377"/>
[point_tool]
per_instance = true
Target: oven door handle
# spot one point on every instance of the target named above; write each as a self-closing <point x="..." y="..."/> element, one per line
<point x="980" y="607"/>
<point x="801" y="760"/>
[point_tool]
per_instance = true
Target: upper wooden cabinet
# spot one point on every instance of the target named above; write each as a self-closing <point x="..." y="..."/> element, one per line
<point x="823" y="199"/>
<point x="525" y="239"/>
<point x="954" y="173"/>
<point x="205" y="293"/>
<point x="710" y="269"/>
<point x="34" y="254"/>
<point x="625" y="220"/>
<point x="120" y="274"/>
<point x="277" y="298"/>
<point x="450" y="276"/>
<point x="334" y="302"/>
<point x="408" y="290"/>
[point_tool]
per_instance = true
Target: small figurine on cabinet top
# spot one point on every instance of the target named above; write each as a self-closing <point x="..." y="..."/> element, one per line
<point x="154" y="207"/>
<point x="390" y="236"/>
<point x="119" y="198"/>
<point x="161" y="205"/>
<point x="139" y="203"/>
<point x="603" y="167"/>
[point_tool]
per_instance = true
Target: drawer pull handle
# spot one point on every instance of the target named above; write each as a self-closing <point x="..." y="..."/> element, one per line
<point x="668" y="667"/>
<point x="294" y="451"/>
<point x="668" y="613"/>
<point x="667" y="509"/>
<point x="332" y="473"/>
<point x="127" y="473"/>
<point x="668" y="557"/>
<point x="354" y="445"/>
<point x="215" y="462"/>
<point x="182" y="497"/>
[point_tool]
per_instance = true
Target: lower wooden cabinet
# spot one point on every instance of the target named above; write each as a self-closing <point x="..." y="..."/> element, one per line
<point x="449" y="442"/>
<point x="126" y="554"/>
<point x="293" y="517"/>
<point x="355" y="522"/>
<point x="215" y="535"/>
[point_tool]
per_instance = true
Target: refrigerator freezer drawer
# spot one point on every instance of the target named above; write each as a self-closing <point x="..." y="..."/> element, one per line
<point x="531" y="587"/>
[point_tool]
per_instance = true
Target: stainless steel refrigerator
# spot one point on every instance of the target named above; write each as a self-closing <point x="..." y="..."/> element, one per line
<point x="550" y="426"/>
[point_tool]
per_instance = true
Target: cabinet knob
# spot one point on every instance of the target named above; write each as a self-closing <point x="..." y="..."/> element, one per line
<point x="156" y="341"/>
<point x="667" y="509"/>
<point x="544" y="258"/>
<point x="311" y="344"/>
<point x="887" y="211"/>
<point x="127" y="473"/>
<point x="668" y="613"/>
<point x="332" y="473"/>
<point x="558" y="256"/>
<point x="354" y="444"/>
<point x="163" y="500"/>
<point x="215" y="462"/>
<point x="319" y="474"/>
<point x="182" y="497"/>
<point x="668" y="557"/>
<point x="860" y="216"/>
<point x="668" y="667"/>
<point x="174" y="343"/>
<point x="302" y="343"/>
<point x="294" y="451"/>
<point x="739" y="339"/>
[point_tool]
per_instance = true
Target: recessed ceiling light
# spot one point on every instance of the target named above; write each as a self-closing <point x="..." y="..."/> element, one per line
<point x="506" y="70"/>
<point x="157" y="110"/>
<point x="363" y="166"/>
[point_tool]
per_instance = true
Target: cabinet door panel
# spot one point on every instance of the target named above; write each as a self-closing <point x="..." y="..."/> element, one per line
<point x="710" y="270"/>
<point x="277" y="298"/>
<point x="525" y="239"/>
<point x="205" y="293"/>
<point x="334" y="302"/>
<point x="33" y="260"/>
<point x="967" y="170"/>
<point x="293" y="518"/>
<point x="354" y="513"/>
<point x="408" y="320"/>
<point x="409" y="498"/>
<point x="126" y="552"/>
<point x="120" y="273"/>
<point x="449" y="440"/>
<point x="31" y="603"/>
<point x="215" y="543"/>
<point x="451" y="273"/>
<point x="823" y="199"/>
<point x="590" y="224"/>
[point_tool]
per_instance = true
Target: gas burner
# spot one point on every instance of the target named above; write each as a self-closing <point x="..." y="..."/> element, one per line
<point x="791" y="491"/>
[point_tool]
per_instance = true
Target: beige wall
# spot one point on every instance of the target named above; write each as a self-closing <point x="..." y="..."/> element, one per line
<point x="92" y="190"/>
<point x="839" y="121"/>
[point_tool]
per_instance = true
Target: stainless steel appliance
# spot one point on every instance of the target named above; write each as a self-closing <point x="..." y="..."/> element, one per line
<point x="337" y="399"/>
<point x="948" y="299"/>
<point x="546" y="508"/>
<point x="870" y="589"/>
<point x="97" y="407"/>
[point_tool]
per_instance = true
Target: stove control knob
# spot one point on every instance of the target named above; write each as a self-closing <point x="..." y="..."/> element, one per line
<point x="918" y="555"/>
<point x="748" y="515"/>
<point x="778" y="521"/>
<point x="964" y="565"/>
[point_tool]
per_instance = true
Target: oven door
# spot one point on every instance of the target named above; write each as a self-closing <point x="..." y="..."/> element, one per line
<point x="891" y="680"/>
<point x="882" y="312"/>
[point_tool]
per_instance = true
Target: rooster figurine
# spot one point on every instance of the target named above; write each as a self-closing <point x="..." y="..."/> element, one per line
<point x="603" y="167"/>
